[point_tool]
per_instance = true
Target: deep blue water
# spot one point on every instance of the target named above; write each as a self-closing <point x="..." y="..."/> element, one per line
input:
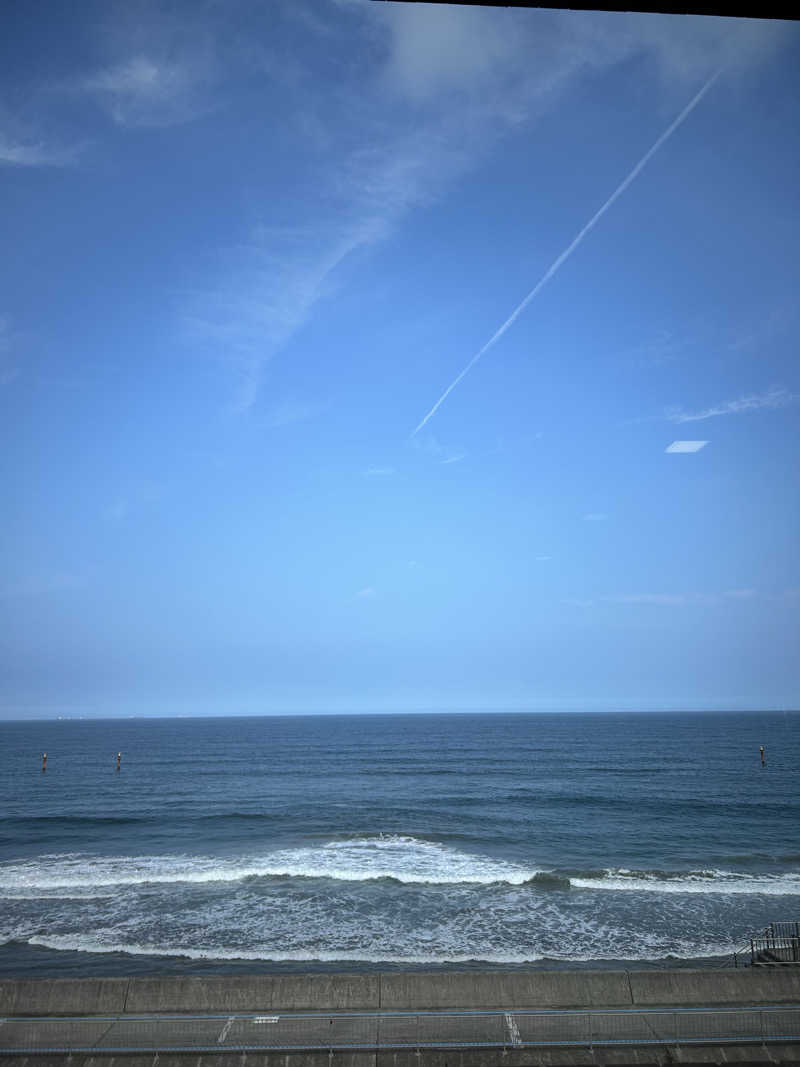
<point x="359" y="841"/>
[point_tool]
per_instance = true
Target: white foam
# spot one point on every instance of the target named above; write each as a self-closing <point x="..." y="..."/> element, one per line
<point x="350" y="921"/>
<point x="405" y="859"/>
<point x="711" y="881"/>
<point x="78" y="943"/>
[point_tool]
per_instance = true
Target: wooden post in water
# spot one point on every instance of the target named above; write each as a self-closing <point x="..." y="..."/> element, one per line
<point x="44" y="762"/>
<point x="763" y="757"/>
<point x="119" y="759"/>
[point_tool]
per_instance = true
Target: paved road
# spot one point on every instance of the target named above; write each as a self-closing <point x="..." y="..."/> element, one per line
<point x="309" y="1031"/>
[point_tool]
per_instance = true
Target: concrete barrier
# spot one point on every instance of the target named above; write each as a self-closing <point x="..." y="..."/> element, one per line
<point x="63" y="996"/>
<point x="752" y="985"/>
<point x="504" y="989"/>
<point x="404" y="991"/>
<point x="224" y="1059"/>
<point x="302" y="992"/>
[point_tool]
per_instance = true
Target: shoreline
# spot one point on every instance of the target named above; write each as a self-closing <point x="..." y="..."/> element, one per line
<point x="23" y="960"/>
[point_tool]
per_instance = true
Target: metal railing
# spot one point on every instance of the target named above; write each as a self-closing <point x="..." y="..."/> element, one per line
<point x="304" y="1032"/>
<point x="777" y="945"/>
<point x="785" y="929"/>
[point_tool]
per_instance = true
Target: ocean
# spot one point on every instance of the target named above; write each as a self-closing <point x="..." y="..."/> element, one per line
<point x="369" y="842"/>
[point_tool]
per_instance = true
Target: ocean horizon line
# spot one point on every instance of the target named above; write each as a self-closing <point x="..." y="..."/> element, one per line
<point x="89" y="716"/>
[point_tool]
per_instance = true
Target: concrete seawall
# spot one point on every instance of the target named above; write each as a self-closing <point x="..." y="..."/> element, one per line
<point x="408" y="991"/>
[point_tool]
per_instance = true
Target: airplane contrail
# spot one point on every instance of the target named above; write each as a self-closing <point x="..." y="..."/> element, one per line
<point x="557" y="263"/>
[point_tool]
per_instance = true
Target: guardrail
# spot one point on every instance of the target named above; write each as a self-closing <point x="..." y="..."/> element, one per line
<point x="777" y="945"/>
<point x="307" y="1032"/>
<point x="785" y="929"/>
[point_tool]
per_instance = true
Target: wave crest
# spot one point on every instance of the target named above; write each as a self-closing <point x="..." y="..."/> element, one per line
<point x="391" y="858"/>
<point x="399" y="858"/>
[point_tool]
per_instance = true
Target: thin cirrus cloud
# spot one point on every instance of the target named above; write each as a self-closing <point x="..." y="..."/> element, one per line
<point x="686" y="446"/>
<point x="670" y="600"/>
<point x="142" y="91"/>
<point x="433" y="91"/>
<point x="414" y="114"/>
<point x="441" y="453"/>
<point x="35" y="153"/>
<point x="770" y="400"/>
<point x="157" y="68"/>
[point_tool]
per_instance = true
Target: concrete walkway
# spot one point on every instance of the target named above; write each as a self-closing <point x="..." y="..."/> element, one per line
<point x="447" y="1019"/>
<point x="345" y="1032"/>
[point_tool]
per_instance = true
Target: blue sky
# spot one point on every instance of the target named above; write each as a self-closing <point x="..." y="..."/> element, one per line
<point x="248" y="247"/>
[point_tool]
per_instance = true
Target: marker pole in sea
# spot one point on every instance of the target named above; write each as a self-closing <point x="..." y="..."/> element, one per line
<point x="119" y="759"/>
<point x="763" y="757"/>
<point x="44" y="761"/>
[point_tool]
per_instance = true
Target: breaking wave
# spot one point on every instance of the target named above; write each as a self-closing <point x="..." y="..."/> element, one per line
<point x="377" y="951"/>
<point x="708" y="881"/>
<point x="402" y="859"/>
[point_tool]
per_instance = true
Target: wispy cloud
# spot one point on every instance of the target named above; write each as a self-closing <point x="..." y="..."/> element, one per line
<point x="595" y="516"/>
<point x="378" y="472"/>
<point x="366" y="593"/>
<point x="272" y="284"/>
<point x="559" y="261"/>
<point x="769" y="400"/>
<point x="443" y="454"/>
<point x="670" y="600"/>
<point x="34" y="153"/>
<point x="156" y="68"/>
<point x="145" y="91"/>
<point x="434" y="90"/>
<point x="686" y="446"/>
